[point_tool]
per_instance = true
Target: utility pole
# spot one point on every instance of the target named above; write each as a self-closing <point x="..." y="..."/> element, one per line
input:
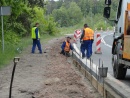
<point x="4" y="10"/>
<point x="2" y="29"/>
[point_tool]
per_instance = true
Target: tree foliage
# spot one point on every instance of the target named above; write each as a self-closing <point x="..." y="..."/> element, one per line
<point x="68" y="16"/>
<point x="50" y="14"/>
<point x="24" y="14"/>
<point x="65" y="14"/>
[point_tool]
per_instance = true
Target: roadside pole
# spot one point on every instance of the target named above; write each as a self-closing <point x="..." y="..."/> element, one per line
<point x="4" y="10"/>
<point x="16" y="60"/>
<point x="2" y="30"/>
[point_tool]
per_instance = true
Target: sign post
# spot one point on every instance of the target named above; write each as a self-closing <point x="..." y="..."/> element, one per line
<point x="4" y="10"/>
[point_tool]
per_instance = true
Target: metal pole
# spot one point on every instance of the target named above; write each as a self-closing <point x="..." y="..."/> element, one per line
<point x="90" y="65"/>
<point x="10" y="91"/>
<point x="72" y="53"/>
<point x="98" y="71"/>
<point x="80" y="57"/>
<point x="2" y="30"/>
<point x="16" y="59"/>
<point x="86" y="62"/>
<point x="103" y="79"/>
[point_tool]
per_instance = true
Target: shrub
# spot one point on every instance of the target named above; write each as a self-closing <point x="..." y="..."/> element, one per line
<point x="47" y="24"/>
<point x="11" y="38"/>
<point x="68" y="16"/>
<point x="50" y="26"/>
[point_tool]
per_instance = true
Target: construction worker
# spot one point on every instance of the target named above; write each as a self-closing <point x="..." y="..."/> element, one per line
<point x="66" y="47"/>
<point x="86" y="41"/>
<point x="36" y="38"/>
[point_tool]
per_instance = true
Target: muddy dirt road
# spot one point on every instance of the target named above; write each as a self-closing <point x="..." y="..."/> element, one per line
<point x="47" y="75"/>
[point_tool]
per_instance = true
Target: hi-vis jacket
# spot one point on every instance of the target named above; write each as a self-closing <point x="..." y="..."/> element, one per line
<point x="88" y="34"/>
<point x="35" y="34"/>
<point x="66" y="46"/>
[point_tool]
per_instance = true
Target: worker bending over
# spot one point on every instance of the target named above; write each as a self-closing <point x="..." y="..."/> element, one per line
<point x="66" y="47"/>
<point x="86" y="40"/>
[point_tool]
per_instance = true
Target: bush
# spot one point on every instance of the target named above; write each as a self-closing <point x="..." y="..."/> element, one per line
<point x="11" y="38"/>
<point x="50" y="26"/>
<point x="19" y="29"/>
<point x="102" y="25"/>
<point x="47" y="24"/>
<point x="68" y="16"/>
<point x="38" y="17"/>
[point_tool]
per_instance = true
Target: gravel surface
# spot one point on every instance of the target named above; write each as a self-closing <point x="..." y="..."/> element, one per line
<point x="47" y="75"/>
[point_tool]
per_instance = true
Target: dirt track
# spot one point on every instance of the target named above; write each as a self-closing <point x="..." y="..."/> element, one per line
<point x="47" y="75"/>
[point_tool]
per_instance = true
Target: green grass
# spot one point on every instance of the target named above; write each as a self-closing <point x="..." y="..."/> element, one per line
<point x="8" y="53"/>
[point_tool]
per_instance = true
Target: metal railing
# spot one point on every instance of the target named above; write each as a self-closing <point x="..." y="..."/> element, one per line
<point x="100" y="72"/>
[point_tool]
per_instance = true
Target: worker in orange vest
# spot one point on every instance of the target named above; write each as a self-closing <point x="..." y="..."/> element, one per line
<point x="66" y="47"/>
<point x="87" y="38"/>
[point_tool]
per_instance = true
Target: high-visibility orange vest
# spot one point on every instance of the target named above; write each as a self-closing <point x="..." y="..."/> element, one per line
<point x="67" y="46"/>
<point x="89" y="34"/>
<point x="92" y="37"/>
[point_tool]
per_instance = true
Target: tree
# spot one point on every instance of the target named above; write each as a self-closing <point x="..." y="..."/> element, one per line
<point x="83" y="4"/>
<point x="61" y="16"/>
<point x="68" y="16"/>
<point x="33" y="3"/>
<point x="74" y="13"/>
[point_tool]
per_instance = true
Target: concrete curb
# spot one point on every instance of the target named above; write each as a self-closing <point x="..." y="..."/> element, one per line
<point x="111" y="88"/>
